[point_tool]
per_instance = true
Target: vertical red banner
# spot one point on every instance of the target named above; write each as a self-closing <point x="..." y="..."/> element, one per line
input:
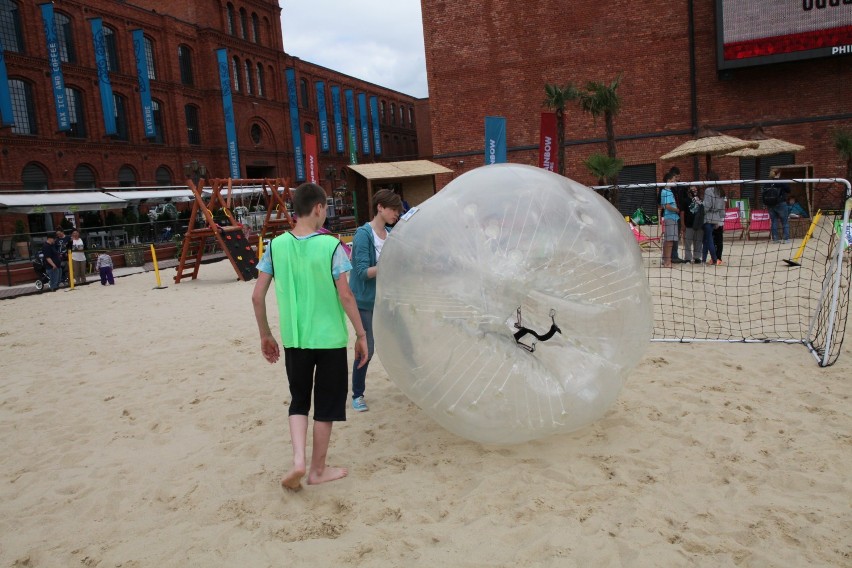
<point x="548" y="151"/>
<point x="311" y="158"/>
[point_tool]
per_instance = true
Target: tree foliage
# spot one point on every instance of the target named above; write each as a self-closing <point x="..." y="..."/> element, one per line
<point x="842" y="139"/>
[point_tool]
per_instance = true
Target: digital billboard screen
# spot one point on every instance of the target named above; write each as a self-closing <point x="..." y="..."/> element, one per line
<point x="757" y="32"/>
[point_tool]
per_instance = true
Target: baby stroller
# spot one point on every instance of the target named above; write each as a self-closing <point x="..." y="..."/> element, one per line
<point x="41" y="273"/>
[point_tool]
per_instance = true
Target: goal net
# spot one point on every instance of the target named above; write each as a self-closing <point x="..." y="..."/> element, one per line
<point x="765" y="290"/>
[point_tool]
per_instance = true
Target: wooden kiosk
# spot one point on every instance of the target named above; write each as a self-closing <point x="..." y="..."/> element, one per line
<point x="231" y="240"/>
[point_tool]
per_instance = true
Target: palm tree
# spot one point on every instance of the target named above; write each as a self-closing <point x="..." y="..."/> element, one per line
<point x="843" y="142"/>
<point x="600" y="99"/>
<point x="556" y="98"/>
<point x="605" y="169"/>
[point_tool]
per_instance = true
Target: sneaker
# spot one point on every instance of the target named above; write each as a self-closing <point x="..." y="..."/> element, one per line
<point x="358" y="404"/>
<point x="696" y="261"/>
<point x="718" y="262"/>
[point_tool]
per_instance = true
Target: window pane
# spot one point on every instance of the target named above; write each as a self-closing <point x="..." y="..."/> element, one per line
<point x="84" y="177"/>
<point x="126" y="177"/>
<point x="303" y="87"/>
<point x="243" y="24"/>
<point x="255" y="28"/>
<point x="185" y="60"/>
<point x="163" y="176"/>
<point x="192" y="131"/>
<point x="235" y="72"/>
<point x="149" y="55"/>
<point x="65" y="38"/>
<point x="230" y="18"/>
<point x="10" y="26"/>
<point x="260" y="85"/>
<point x="23" y="111"/>
<point x="120" y="117"/>
<point x="75" y="113"/>
<point x="249" y="81"/>
<point x="160" y="137"/>
<point x="111" y="50"/>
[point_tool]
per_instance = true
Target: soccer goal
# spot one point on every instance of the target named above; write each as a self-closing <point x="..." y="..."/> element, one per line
<point x="765" y="290"/>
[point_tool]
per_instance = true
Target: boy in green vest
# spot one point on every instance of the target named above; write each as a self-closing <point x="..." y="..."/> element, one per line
<point x="312" y="289"/>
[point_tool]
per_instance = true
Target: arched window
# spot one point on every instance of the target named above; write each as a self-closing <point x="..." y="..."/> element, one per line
<point x="193" y="130"/>
<point x="185" y="62"/>
<point x="160" y="135"/>
<point x="411" y="117"/>
<point x="401" y="115"/>
<point x="163" y="176"/>
<point x="121" y="132"/>
<point x="10" y="27"/>
<point x="243" y="23"/>
<point x="84" y="177"/>
<point x="393" y="114"/>
<point x="33" y="177"/>
<point x="309" y="128"/>
<point x="148" y="45"/>
<point x="303" y="89"/>
<point x="236" y="72"/>
<point x="126" y="176"/>
<point x="230" y="18"/>
<point x="261" y="87"/>
<point x="255" y="28"/>
<point x="23" y="107"/>
<point x="76" y="116"/>
<point x="256" y="133"/>
<point x="65" y="38"/>
<point x="383" y="113"/>
<point x="111" y="50"/>
<point x="249" y="80"/>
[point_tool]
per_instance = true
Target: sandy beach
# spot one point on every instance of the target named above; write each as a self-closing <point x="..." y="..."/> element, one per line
<point x="142" y="428"/>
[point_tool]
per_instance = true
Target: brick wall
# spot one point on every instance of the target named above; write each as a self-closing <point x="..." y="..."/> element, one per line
<point x="494" y="58"/>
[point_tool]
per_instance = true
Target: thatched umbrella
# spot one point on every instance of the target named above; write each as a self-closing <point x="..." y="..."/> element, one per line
<point x="709" y="143"/>
<point x="766" y="147"/>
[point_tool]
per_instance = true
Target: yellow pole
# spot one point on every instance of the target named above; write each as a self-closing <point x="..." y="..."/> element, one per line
<point x="159" y="286"/>
<point x="808" y="235"/>
<point x="70" y="271"/>
<point x="260" y="244"/>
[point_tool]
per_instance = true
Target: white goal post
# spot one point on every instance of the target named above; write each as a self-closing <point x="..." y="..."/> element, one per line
<point x="765" y="290"/>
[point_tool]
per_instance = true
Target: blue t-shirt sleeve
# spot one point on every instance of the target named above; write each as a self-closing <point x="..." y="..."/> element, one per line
<point x="265" y="264"/>
<point x="339" y="263"/>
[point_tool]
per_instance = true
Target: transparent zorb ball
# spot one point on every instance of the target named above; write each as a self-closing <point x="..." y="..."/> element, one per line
<point x="512" y="305"/>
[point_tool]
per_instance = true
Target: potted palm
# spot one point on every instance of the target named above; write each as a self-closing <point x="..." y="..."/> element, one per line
<point x="21" y="240"/>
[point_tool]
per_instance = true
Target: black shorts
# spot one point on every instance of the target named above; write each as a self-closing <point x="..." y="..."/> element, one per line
<point x="330" y="385"/>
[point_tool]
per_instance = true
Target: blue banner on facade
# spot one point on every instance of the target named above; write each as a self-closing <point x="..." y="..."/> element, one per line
<point x="325" y="145"/>
<point x="495" y="140"/>
<point x="298" y="151"/>
<point x="228" y="108"/>
<point x="7" y="115"/>
<point x="365" y="122"/>
<point x="352" y="130"/>
<point x="60" y="98"/>
<point x="338" y="119"/>
<point x="107" y="102"/>
<point x="144" y="84"/>
<point x="377" y="135"/>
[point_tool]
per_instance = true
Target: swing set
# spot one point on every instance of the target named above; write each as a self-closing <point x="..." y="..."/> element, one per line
<point x="231" y="239"/>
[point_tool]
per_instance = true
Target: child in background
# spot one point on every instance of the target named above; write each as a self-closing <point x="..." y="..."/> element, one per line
<point x="104" y="266"/>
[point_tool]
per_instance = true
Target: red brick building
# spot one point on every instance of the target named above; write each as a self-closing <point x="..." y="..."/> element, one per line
<point x="180" y="39"/>
<point x="494" y="58"/>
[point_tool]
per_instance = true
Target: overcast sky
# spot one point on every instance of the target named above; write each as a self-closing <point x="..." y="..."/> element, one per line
<point x="380" y="41"/>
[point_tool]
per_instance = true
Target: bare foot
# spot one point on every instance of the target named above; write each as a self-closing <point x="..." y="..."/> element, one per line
<point x="293" y="480"/>
<point x="328" y="474"/>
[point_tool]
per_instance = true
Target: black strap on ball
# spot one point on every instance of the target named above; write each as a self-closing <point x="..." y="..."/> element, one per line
<point x="522" y="331"/>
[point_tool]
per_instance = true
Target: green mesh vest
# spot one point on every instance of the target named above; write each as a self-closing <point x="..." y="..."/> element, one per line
<point x="310" y="314"/>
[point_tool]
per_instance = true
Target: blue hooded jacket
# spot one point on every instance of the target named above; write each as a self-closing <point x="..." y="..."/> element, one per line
<point x="363" y="257"/>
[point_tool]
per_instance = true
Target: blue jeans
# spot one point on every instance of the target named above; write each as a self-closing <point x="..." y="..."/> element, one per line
<point x="709" y="247"/>
<point x="359" y="376"/>
<point x="54" y="274"/>
<point x="780" y="214"/>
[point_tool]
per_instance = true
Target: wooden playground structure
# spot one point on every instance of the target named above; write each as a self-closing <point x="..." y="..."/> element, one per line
<point x="231" y="239"/>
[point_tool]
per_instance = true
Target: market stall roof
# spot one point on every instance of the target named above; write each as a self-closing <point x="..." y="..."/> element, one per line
<point x="395" y="170"/>
<point x="160" y="193"/>
<point x="58" y="201"/>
